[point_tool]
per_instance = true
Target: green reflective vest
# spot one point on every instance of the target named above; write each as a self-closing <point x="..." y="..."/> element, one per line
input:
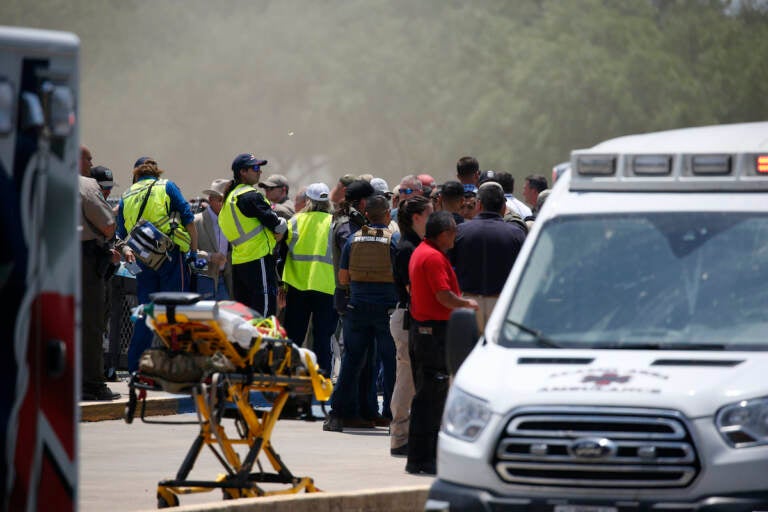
<point x="309" y="263"/>
<point x="157" y="211"/>
<point x="249" y="238"/>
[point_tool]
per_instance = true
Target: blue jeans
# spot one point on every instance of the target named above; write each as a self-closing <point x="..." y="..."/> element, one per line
<point x="206" y="289"/>
<point x="366" y="334"/>
<point x="172" y="276"/>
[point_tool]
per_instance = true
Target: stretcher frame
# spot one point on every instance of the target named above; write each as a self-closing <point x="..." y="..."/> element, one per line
<point x="227" y="395"/>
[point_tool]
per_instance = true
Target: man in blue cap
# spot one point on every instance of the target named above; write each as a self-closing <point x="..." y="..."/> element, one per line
<point x="253" y="229"/>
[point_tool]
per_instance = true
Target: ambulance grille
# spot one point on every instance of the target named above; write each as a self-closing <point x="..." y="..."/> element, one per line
<point x="597" y="447"/>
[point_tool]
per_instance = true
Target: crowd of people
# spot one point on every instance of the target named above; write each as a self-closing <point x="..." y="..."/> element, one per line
<point x="366" y="274"/>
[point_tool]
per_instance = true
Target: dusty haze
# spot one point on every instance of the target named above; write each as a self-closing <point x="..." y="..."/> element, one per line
<point x="392" y="87"/>
<point x="193" y="83"/>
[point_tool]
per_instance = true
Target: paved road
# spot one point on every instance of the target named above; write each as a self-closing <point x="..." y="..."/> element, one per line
<point x="120" y="464"/>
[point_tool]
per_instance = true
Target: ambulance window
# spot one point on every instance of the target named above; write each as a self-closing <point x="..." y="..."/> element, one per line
<point x="670" y="278"/>
<point x="6" y="108"/>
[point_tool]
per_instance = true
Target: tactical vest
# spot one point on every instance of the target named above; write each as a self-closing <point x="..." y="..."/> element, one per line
<point x="157" y="210"/>
<point x="249" y="238"/>
<point x="309" y="263"/>
<point x="370" y="258"/>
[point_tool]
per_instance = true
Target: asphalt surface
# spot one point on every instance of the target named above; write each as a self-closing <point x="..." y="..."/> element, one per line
<point x="121" y="464"/>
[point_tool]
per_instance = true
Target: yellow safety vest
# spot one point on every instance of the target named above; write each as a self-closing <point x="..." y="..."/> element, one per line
<point x="309" y="264"/>
<point x="249" y="238"/>
<point x="157" y="210"/>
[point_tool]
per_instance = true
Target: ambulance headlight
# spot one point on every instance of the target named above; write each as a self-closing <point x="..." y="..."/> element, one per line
<point x="465" y="416"/>
<point x="744" y="423"/>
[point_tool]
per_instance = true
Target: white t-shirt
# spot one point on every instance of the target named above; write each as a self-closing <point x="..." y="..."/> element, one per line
<point x="515" y="205"/>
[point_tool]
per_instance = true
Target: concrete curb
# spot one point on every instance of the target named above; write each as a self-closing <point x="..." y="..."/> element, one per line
<point x="395" y="499"/>
<point x="156" y="406"/>
<point x="102" y="411"/>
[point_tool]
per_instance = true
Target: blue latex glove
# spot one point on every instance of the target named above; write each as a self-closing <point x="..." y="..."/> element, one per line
<point x="196" y="261"/>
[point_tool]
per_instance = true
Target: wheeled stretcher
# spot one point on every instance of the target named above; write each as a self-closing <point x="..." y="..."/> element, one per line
<point x="220" y="352"/>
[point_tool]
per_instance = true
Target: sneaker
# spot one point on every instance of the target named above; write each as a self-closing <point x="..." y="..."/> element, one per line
<point x="103" y="394"/>
<point x="423" y="468"/>
<point x="400" y="451"/>
<point x="333" y="424"/>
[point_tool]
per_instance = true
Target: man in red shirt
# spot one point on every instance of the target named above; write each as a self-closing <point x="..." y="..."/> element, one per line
<point x="434" y="294"/>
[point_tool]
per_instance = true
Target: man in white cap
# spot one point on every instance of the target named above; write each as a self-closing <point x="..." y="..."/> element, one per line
<point x="216" y="282"/>
<point x="308" y="282"/>
<point x="276" y="191"/>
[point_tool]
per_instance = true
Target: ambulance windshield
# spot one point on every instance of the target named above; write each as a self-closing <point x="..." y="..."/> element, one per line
<point x="694" y="281"/>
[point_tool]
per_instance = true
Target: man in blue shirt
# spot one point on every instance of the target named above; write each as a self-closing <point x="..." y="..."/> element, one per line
<point x="366" y="266"/>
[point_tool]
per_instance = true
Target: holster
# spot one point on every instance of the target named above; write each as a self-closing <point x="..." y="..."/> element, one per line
<point x="407" y="318"/>
<point x="341" y="300"/>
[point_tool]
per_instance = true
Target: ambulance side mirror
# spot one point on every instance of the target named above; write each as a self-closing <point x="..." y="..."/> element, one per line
<point x="460" y="338"/>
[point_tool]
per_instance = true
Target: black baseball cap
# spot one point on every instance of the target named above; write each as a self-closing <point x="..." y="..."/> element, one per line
<point x="103" y="176"/>
<point x="357" y="190"/>
<point x="487" y="176"/>
<point x="245" y="160"/>
<point x="142" y="160"/>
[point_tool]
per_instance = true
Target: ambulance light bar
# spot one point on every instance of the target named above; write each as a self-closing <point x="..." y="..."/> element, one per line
<point x="746" y="172"/>
<point x="762" y="164"/>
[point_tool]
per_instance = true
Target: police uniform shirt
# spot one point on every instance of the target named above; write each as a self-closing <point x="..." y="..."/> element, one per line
<point x="95" y="211"/>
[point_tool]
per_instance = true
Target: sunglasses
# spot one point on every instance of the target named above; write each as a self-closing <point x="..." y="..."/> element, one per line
<point x="255" y="168"/>
<point x="406" y="191"/>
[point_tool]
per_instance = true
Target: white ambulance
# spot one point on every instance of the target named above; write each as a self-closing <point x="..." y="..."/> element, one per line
<point x="624" y="367"/>
<point x="39" y="269"/>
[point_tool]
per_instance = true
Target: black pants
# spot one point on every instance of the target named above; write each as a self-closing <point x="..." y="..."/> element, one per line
<point x="300" y="305"/>
<point x="255" y="284"/>
<point x="426" y="346"/>
<point x="93" y="318"/>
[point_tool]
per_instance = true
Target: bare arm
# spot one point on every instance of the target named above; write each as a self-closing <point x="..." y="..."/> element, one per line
<point x="343" y="276"/>
<point x="192" y="230"/>
<point x="450" y="300"/>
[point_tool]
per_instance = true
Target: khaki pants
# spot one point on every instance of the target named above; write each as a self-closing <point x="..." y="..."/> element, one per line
<point x="402" y="396"/>
<point x="486" y="304"/>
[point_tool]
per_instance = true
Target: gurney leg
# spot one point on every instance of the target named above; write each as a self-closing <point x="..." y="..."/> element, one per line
<point x="189" y="460"/>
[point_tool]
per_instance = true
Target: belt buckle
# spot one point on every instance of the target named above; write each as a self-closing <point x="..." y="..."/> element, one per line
<point x="425" y="330"/>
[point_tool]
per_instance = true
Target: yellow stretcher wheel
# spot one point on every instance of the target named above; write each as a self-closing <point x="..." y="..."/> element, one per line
<point x="166" y="499"/>
<point x="230" y="494"/>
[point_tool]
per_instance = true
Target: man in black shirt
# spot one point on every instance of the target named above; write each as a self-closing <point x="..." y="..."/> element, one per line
<point x="484" y="251"/>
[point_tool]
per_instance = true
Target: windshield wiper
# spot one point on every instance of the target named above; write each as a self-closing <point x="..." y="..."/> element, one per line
<point x="540" y="339"/>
